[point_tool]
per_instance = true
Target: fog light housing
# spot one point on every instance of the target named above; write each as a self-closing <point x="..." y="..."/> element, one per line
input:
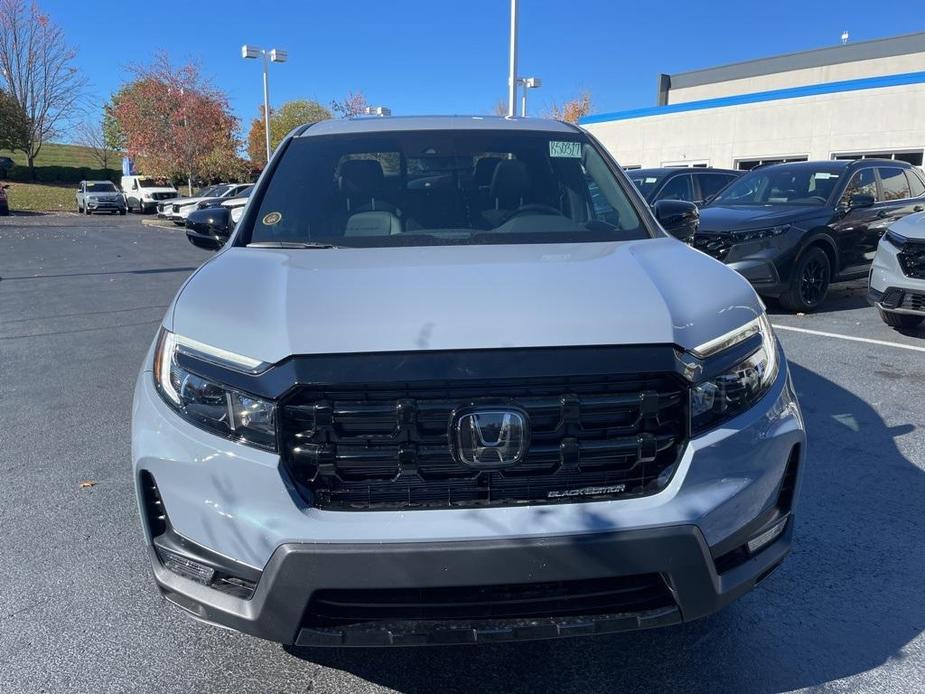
<point x="186" y="567"/>
<point x="766" y="537"/>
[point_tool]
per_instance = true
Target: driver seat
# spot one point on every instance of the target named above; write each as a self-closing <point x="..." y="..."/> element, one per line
<point x="510" y="184"/>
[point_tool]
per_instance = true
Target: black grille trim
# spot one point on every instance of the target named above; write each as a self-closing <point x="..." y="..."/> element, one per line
<point x="912" y="301"/>
<point x="617" y="595"/>
<point x="912" y="260"/>
<point x="714" y="245"/>
<point x="385" y="446"/>
<point x="155" y="514"/>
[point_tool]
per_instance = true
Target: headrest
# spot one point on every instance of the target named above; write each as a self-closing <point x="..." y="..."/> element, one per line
<point x="484" y="170"/>
<point x="382" y="223"/>
<point x="360" y="176"/>
<point x="510" y="180"/>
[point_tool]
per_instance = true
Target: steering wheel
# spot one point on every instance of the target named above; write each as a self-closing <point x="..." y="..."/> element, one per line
<point x="532" y="208"/>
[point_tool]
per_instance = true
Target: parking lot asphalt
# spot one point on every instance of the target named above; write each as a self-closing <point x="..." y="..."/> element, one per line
<point x="80" y="300"/>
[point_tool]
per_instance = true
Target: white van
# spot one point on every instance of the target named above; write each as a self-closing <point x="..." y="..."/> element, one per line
<point x="142" y="193"/>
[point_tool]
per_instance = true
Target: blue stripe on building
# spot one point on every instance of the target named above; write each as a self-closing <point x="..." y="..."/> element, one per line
<point x="758" y="97"/>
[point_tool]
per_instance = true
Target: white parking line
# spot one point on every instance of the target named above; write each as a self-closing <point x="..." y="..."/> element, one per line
<point x="885" y="343"/>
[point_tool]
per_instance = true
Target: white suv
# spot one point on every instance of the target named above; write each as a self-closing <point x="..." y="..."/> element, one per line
<point x="897" y="278"/>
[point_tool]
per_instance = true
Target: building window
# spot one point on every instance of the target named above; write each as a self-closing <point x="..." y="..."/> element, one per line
<point x="692" y="164"/>
<point x="913" y="156"/>
<point x="749" y="164"/>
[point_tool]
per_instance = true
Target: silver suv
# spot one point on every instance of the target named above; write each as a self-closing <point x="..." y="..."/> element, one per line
<point x="99" y="196"/>
<point x="461" y="387"/>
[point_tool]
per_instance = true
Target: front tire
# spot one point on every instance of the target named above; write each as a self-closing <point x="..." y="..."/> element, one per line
<point x="87" y="211"/>
<point x="809" y="282"/>
<point x="900" y="320"/>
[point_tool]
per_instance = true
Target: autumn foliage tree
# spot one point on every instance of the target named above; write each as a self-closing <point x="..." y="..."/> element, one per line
<point x="571" y="110"/>
<point x="354" y="104"/>
<point x="282" y="121"/>
<point x="37" y="67"/>
<point x="175" y="123"/>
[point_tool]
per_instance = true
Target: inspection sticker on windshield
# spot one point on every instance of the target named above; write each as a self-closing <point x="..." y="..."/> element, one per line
<point x="571" y="150"/>
<point x="272" y="218"/>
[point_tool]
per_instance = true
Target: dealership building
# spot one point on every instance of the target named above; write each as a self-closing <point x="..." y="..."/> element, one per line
<point x="864" y="99"/>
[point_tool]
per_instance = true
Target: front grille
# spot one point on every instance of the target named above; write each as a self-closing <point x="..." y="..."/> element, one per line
<point x="176" y="208"/>
<point x="163" y="196"/>
<point x="715" y="245"/>
<point x="386" y="446"/>
<point x="913" y="301"/>
<point x="912" y="260"/>
<point x="620" y="595"/>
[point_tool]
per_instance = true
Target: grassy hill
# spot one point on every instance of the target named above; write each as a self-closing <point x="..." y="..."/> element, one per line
<point x="53" y="154"/>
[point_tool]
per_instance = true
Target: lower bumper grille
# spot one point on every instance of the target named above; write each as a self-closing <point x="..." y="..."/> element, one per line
<point x="626" y="594"/>
<point x="912" y="260"/>
<point x="387" y="446"/>
<point x="715" y="245"/>
<point x="913" y="301"/>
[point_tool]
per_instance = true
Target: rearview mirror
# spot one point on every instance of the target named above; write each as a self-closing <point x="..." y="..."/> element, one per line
<point x="861" y="200"/>
<point x="679" y="218"/>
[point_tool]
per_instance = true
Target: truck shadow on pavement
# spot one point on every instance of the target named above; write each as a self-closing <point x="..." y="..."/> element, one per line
<point x="847" y="600"/>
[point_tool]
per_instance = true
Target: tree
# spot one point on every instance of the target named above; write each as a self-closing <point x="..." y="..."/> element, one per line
<point x="14" y="124"/>
<point x="176" y="123"/>
<point x="113" y="135"/>
<point x="354" y="104"/>
<point x="500" y="107"/>
<point x="38" y="67"/>
<point x="289" y="116"/>
<point x="571" y="110"/>
<point x="91" y="134"/>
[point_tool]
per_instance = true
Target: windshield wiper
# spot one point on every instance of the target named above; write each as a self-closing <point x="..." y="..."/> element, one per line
<point x="290" y="244"/>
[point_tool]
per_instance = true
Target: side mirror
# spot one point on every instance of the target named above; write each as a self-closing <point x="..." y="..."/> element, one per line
<point x="860" y="200"/>
<point x="209" y="228"/>
<point x="679" y="218"/>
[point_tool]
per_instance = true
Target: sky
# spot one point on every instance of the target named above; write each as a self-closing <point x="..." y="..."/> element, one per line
<point x="450" y="57"/>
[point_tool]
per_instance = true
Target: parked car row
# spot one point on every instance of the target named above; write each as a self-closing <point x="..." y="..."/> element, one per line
<point x="793" y="229"/>
<point x="178" y="209"/>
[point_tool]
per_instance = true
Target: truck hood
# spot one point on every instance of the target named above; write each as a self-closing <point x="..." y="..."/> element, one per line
<point x="269" y="304"/>
<point x="720" y="218"/>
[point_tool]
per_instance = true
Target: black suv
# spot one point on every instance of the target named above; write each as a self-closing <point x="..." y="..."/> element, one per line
<point x="791" y="229"/>
<point x="696" y="185"/>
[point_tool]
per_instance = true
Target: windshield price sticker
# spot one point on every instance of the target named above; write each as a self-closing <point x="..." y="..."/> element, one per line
<point x="569" y="150"/>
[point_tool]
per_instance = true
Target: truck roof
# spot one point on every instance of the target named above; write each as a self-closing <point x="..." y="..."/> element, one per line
<point x="378" y="124"/>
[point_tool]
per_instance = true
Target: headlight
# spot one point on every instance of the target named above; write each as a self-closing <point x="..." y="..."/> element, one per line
<point x="210" y="405"/>
<point x="236" y="214"/>
<point x="897" y="240"/>
<point x="741" y="384"/>
<point x="756" y="234"/>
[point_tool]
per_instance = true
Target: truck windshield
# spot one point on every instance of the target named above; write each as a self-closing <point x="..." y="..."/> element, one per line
<point x="442" y="187"/>
<point x="153" y="183"/>
<point x="101" y="188"/>
<point x="798" y="185"/>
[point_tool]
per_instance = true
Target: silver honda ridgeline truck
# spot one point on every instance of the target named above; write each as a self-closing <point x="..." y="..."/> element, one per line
<point x="450" y="382"/>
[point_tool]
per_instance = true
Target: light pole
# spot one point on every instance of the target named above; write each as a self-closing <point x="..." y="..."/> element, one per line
<point x="512" y="65"/>
<point x="528" y="83"/>
<point x="274" y="55"/>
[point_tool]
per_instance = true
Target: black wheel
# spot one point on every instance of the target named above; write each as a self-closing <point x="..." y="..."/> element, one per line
<point x="809" y="283"/>
<point x="80" y="210"/>
<point x="87" y="211"/>
<point x="122" y="211"/>
<point x="900" y="320"/>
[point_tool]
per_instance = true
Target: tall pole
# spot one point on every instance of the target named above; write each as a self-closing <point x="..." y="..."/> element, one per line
<point x="266" y="104"/>
<point x="523" y="102"/>
<point x="512" y="71"/>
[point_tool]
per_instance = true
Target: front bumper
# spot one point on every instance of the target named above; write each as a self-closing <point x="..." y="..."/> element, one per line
<point x="279" y="610"/>
<point x="100" y="205"/>
<point x="238" y="502"/>
<point x="889" y="289"/>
